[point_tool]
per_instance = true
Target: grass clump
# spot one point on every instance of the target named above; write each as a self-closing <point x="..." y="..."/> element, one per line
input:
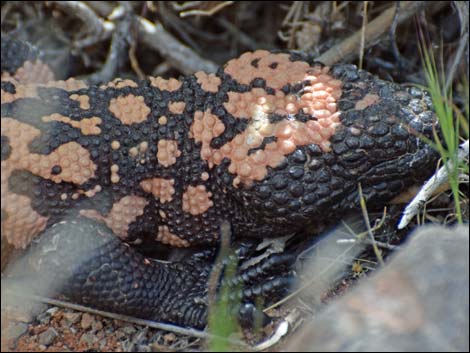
<point x="453" y="121"/>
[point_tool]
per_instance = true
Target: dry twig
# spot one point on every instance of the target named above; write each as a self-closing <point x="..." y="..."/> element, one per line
<point x="99" y="29"/>
<point x="376" y="28"/>
<point x="429" y="188"/>
<point x="182" y="57"/>
<point x="153" y="35"/>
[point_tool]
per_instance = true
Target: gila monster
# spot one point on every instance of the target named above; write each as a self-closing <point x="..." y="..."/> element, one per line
<point x="272" y="143"/>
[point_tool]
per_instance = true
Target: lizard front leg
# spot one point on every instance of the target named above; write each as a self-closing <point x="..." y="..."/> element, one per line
<point x="84" y="260"/>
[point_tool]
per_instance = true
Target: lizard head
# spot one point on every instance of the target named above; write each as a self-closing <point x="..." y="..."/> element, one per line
<point x="308" y="135"/>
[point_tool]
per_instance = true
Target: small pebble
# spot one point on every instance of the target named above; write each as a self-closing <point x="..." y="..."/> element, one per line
<point x="169" y="337"/>
<point x="52" y="310"/>
<point x="44" y="318"/>
<point x="47" y="337"/>
<point x="129" y="330"/>
<point x="103" y="343"/>
<point x="71" y="318"/>
<point x="88" y="339"/>
<point x="87" y="321"/>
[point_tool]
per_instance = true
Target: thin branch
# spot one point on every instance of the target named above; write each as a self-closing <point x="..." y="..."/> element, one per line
<point x="242" y="37"/>
<point x="457" y="60"/>
<point x="150" y="323"/>
<point x="368" y="241"/>
<point x="365" y="215"/>
<point x="110" y="315"/>
<point x="182" y="57"/>
<point x="153" y="35"/>
<point x="122" y="36"/>
<point x="98" y="28"/>
<point x="210" y="12"/>
<point x="280" y="331"/>
<point x="430" y="187"/>
<point x="363" y="33"/>
<point x="374" y="30"/>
